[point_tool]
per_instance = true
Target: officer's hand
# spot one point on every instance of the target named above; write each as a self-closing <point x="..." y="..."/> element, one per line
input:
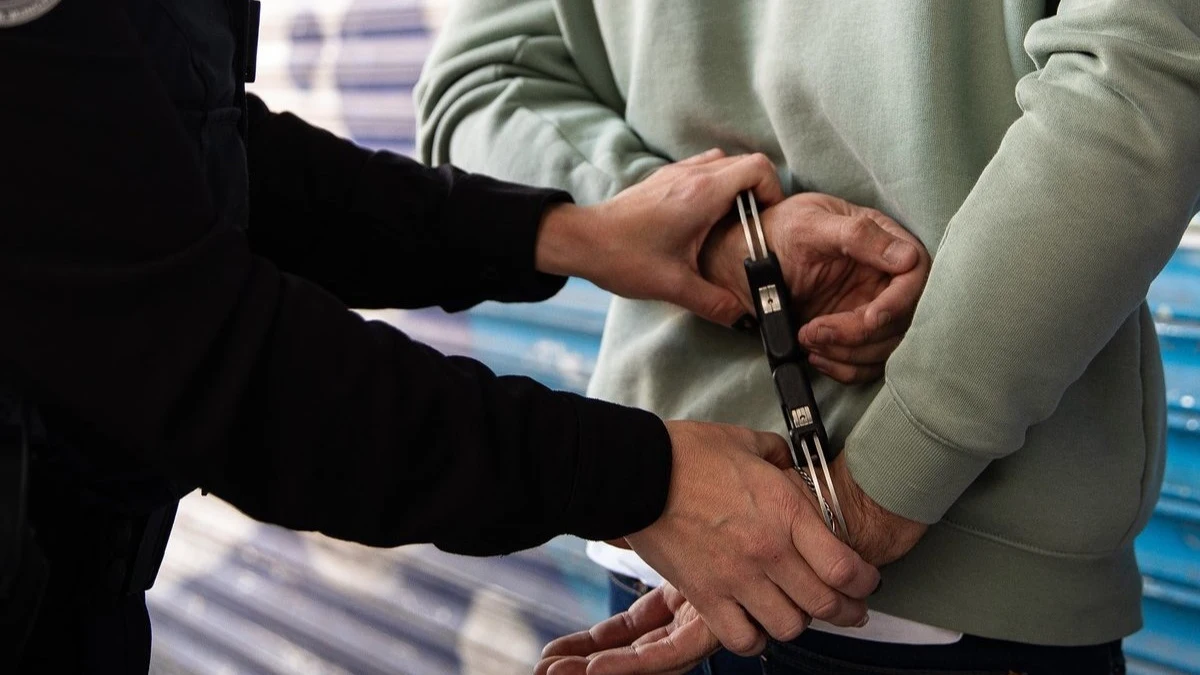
<point x="855" y="276"/>
<point x="741" y="542"/>
<point x="661" y="633"/>
<point x="645" y="242"/>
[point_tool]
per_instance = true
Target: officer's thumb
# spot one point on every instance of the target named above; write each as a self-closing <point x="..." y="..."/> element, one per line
<point x="711" y="302"/>
<point x="773" y="448"/>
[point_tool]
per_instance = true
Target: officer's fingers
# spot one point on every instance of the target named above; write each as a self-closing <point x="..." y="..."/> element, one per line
<point x="707" y="300"/>
<point x="726" y="619"/>
<point x="775" y="611"/>
<point x="836" y="564"/>
<point x="751" y="172"/>
<point x="807" y="593"/>
<point x="702" y="158"/>
<point x="771" y="447"/>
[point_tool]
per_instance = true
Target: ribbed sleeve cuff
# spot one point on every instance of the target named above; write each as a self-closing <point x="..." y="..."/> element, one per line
<point x="623" y="471"/>
<point x="904" y="468"/>
<point x="495" y="228"/>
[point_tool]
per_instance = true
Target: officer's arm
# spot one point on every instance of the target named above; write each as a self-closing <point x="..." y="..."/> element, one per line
<point x="129" y="308"/>
<point x="381" y="230"/>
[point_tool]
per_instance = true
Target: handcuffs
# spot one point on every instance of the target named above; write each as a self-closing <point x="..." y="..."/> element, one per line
<point x="777" y="326"/>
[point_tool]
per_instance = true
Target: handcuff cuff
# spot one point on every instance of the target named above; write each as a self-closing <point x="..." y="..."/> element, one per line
<point x="777" y="327"/>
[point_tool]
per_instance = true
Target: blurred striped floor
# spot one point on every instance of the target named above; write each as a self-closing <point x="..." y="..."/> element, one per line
<point x="237" y="596"/>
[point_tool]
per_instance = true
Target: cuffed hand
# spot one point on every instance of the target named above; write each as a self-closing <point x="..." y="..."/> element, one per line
<point x="855" y="275"/>
<point x="878" y="535"/>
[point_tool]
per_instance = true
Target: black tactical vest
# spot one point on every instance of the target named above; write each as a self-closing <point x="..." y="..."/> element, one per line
<point x="71" y="511"/>
<point x="203" y="52"/>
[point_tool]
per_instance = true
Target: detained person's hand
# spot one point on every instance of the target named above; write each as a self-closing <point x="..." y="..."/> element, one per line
<point x="878" y="535"/>
<point x="645" y="242"/>
<point x="855" y="275"/>
<point x="661" y="633"/>
<point x="741" y="542"/>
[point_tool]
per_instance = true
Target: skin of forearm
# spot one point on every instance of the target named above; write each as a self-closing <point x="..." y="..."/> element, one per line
<point x="566" y="243"/>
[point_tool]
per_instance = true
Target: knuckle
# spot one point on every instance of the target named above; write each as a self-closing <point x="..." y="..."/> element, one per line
<point x="663" y="173"/>
<point x="842" y="572"/>
<point x="853" y="232"/>
<point x="856" y="375"/>
<point x="628" y="625"/>
<point x="744" y="642"/>
<point x="791" y="628"/>
<point x="861" y="333"/>
<point x="697" y="186"/>
<point x="826" y="606"/>
<point x="845" y="375"/>
<point x="792" y="509"/>
<point x="761" y="162"/>
<point x="763" y="550"/>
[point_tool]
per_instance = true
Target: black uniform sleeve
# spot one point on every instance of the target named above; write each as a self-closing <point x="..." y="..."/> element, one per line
<point x="128" y="307"/>
<point x="381" y="230"/>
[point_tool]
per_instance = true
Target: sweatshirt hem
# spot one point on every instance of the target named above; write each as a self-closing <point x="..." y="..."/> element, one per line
<point x="1066" y="601"/>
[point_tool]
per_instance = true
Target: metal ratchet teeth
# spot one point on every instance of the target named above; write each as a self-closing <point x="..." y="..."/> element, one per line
<point x="758" y="228"/>
<point x="826" y="512"/>
<point x="833" y="498"/>
<point x="831" y="509"/>
<point x="746" y="228"/>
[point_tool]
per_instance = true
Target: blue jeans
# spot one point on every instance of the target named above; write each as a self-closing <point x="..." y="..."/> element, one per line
<point x="623" y="591"/>
<point x="816" y="653"/>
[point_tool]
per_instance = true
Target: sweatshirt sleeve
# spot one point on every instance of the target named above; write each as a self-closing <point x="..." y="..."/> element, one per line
<point x="133" y="314"/>
<point x="1054" y="248"/>
<point x="504" y="80"/>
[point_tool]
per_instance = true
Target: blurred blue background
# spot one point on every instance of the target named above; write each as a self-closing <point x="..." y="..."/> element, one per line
<point x="236" y="596"/>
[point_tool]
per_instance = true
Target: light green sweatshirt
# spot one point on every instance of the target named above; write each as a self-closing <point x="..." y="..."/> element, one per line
<point x="1023" y="414"/>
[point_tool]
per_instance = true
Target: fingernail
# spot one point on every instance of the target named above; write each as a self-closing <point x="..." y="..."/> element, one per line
<point x="898" y="252"/>
<point x="866" y="619"/>
<point x="824" y="335"/>
<point x="878" y="586"/>
<point x="883" y="319"/>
